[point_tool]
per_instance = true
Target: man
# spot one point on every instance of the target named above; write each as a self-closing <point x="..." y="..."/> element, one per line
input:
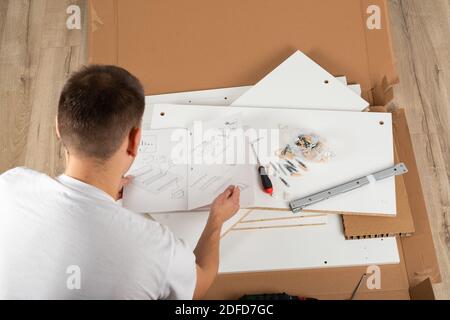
<point x="67" y="238"/>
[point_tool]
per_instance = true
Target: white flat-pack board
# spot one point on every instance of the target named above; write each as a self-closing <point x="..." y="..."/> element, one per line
<point x="299" y="82"/>
<point x="362" y="143"/>
<point x="215" y="97"/>
<point x="285" y="248"/>
<point x="219" y="97"/>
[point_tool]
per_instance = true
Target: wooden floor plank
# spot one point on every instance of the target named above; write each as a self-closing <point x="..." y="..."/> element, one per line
<point x="41" y="133"/>
<point x="14" y="84"/>
<point x="57" y="34"/>
<point x="422" y="45"/>
<point x="3" y="11"/>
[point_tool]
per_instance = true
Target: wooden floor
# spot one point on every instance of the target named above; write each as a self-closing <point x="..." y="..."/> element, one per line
<point x="421" y="38"/>
<point x="37" y="53"/>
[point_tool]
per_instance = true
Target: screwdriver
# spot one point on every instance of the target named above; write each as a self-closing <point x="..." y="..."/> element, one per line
<point x="265" y="180"/>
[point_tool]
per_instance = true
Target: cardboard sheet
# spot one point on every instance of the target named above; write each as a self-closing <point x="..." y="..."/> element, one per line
<point x="196" y="50"/>
<point x="420" y="254"/>
<point x="207" y="45"/>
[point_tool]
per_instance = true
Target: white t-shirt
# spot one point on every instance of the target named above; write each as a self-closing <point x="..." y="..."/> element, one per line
<point x="64" y="239"/>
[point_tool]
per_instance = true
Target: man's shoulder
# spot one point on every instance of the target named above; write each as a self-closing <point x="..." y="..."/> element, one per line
<point x="19" y="171"/>
<point x="20" y="176"/>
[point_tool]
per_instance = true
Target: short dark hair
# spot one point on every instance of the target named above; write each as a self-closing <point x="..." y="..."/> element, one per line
<point x="98" y="107"/>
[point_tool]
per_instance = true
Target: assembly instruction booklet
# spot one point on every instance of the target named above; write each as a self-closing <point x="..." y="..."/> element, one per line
<point x="181" y="169"/>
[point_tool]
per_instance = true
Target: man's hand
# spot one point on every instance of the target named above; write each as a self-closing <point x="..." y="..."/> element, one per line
<point x="225" y="205"/>
<point x="125" y="180"/>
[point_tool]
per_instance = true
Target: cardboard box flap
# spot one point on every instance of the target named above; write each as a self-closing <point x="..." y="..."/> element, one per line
<point x="423" y="291"/>
<point x="380" y="59"/>
<point x="419" y="251"/>
<point x="164" y="42"/>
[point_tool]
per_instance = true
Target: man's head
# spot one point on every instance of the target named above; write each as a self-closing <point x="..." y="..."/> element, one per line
<point x="100" y="112"/>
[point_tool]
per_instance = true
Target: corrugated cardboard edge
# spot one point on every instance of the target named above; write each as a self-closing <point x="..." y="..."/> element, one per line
<point x="362" y="227"/>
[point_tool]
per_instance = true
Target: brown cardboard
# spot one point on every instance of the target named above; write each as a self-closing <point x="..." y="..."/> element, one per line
<point x="191" y="45"/>
<point x="423" y="291"/>
<point x="420" y="254"/>
<point x="182" y="45"/>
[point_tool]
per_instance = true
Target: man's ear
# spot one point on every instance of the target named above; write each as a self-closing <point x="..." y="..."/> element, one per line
<point x="57" y="128"/>
<point x="134" y="139"/>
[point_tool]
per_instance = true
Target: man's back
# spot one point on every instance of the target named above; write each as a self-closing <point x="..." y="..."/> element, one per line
<point x="56" y="233"/>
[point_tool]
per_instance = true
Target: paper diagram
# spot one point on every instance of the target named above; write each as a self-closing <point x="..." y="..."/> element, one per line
<point x="216" y="161"/>
<point x="158" y="174"/>
<point x="158" y="180"/>
<point x="166" y="180"/>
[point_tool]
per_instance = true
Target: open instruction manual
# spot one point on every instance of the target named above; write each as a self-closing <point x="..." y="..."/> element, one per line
<point x="183" y="169"/>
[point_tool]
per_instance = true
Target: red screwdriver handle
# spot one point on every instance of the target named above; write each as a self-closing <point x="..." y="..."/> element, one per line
<point x="265" y="180"/>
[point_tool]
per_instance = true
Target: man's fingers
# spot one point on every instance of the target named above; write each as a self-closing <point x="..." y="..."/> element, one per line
<point x="236" y="194"/>
<point x="228" y="192"/>
<point x="126" y="180"/>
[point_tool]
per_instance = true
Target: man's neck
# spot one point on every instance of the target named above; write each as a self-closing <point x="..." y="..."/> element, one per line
<point x="102" y="176"/>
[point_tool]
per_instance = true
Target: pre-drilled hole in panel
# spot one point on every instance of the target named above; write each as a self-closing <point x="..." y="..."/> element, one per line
<point x="381" y="123"/>
<point x="326" y="82"/>
<point x="162" y="114"/>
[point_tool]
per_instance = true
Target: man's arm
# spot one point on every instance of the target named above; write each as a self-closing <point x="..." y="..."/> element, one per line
<point x="207" y="250"/>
